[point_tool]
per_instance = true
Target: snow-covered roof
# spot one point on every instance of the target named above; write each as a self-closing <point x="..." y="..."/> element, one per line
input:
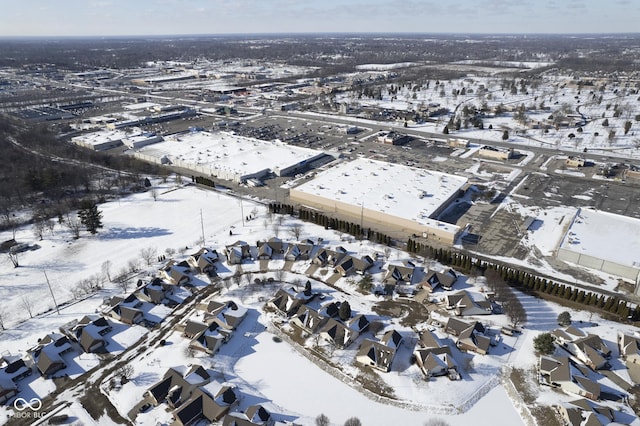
<point x="401" y="191"/>
<point x="101" y="137"/>
<point x="605" y="236"/>
<point x="230" y="153"/>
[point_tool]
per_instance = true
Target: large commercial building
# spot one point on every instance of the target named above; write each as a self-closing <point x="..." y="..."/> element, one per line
<point x="603" y="241"/>
<point x="387" y="196"/>
<point x="226" y="156"/>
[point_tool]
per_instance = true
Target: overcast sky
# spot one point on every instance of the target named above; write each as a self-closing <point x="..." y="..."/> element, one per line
<point x="169" y="17"/>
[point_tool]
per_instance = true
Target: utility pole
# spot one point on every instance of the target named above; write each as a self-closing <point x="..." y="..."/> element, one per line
<point x="242" y="212"/>
<point x="51" y="290"/>
<point x="202" y="225"/>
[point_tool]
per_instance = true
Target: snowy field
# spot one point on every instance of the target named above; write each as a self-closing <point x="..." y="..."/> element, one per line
<point x="266" y="372"/>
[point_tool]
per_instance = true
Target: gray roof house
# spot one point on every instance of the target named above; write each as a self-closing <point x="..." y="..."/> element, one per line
<point x="47" y="354"/>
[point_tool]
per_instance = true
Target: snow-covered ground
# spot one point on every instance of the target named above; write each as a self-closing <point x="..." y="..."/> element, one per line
<point x="265" y="371"/>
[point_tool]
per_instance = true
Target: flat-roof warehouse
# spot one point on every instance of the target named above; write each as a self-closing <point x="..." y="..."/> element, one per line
<point x="392" y="196"/>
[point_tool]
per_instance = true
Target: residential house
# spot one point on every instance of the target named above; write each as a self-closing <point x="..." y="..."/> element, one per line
<point x="629" y="348"/>
<point x="379" y="354"/>
<point x="8" y="390"/>
<point x="203" y="406"/>
<point x="471" y="340"/>
<point x="226" y="314"/>
<point x="210" y="339"/>
<point x="556" y="372"/>
<point x="588" y="348"/>
<point x="89" y="332"/>
<point x="176" y="273"/>
<point x="434" y="279"/>
<point x="298" y="251"/>
<point x="265" y="252"/>
<point x="456" y="326"/>
<point x="192" y="328"/>
<point x="237" y="252"/>
<point x="14" y="368"/>
<point x="463" y="304"/>
<point x="338" y="334"/>
<point x="330" y="310"/>
<point x="433" y="359"/>
<point x="325" y="257"/>
<point x="177" y="385"/>
<point x="154" y="292"/>
<point x="583" y="412"/>
<point x="275" y="246"/>
<point x="287" y="302"/>
<point x="308" y="319"/>
<point x="359" y="323"/>
<point x="125" y="310"/>
<point x="255" y="415"/>
<point x="47" y="354"/>
<point x="204" y="260"/>
<point x="350" y="264"/>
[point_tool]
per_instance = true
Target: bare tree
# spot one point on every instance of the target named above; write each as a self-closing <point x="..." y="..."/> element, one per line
<point x="9" y="221"/>
<point x="106" y="269"/>
<point x="133" y="265"/>
<point x="296" y="230"/>
<point x="279" y="273"/>
<point x="27" y="304"/>
<point x="154" y="193"/>
<point x="13" y="257"/>
<point x="237" y="277"/>
<point x="436" y="422"/>
<point x="322" y="420"/>
<point x="353" y="421"/>
<point x="73" y="223"/>
<point x="50" y="224"/>
<point x="38" y="229"/>
<point x="276" y="229"/>
<point x="387" y="252"/>
<point x="3" y="315"/>
<point x="147" y="254"/>
<point x="247" y="277"/>
<point x="125" y="372"/>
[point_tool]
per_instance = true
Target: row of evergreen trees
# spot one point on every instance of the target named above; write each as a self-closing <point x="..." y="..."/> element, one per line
<point x="331" y="223"/>
<point x="528" y="282"/>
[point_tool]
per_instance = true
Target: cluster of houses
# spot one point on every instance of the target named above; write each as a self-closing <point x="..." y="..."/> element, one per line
<point x="586" y="353"/>
<point x="193" y="396"/>
<point x="219" y="320"/>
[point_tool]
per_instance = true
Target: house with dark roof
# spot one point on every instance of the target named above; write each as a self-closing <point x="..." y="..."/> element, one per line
<point x="471" y="340"/>
<point x="463" y="304"/>
<point x="255" y="415"/>
<point x="359" y="323"/>
<point x="350" y="264"/>
<point x="265" y="252"/>
<point x="298" y="251"/>
<point x="379" y="354"/>
<point x="583" y="412"/>
<point x="14" y="368"/>
<point x="325" y="257"/>
<point x="434" y="279"/>
<point x="177" y="385"/>
<point x="588" y="348"/>
<point x="308" y="319"/>
<point x="338" y="334"/>
<point x="556" y="371"/>
<point x="456" y="326"/>
<point x="47" y="354"/>
<point x="90" y="332"/>
<point x="203" y="406"/>
<point x="287" y="302"/>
